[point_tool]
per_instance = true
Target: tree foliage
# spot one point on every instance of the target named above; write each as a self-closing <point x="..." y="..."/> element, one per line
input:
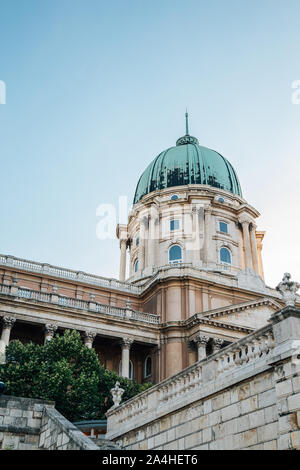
<point x="65" y="371"/>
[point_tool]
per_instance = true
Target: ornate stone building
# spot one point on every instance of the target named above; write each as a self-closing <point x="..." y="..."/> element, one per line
<point x="195" y="282"/>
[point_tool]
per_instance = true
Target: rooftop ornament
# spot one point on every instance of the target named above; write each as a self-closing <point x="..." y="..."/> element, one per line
<point x="288" y="289"/>
<point x="117" y="393"/>
<point x="187" y="138"/>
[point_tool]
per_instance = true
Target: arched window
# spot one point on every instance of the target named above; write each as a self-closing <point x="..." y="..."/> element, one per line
<point x="130" y="369"/>
<point x="137" y="241"/>
<point x="225" y="256"/>
<point x="147" y="366"/>
<point x="175" y="254"/>
<point x="136" y="266"/>
<point x="174" y="197"/>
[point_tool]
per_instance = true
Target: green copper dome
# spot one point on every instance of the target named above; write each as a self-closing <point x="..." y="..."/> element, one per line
<point x="188" y="163"/>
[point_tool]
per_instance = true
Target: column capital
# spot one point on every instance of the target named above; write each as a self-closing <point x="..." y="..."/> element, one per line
<point x="50" y="328"/>
<point x="126" y="343"/>
<point x="217" y="343"/>
<point x="201" y="339"/>
<point x="123" y="242"/>
<point x="8" y="322"/>
<point x="90" y="335"/>
<point x="244" y="220"/>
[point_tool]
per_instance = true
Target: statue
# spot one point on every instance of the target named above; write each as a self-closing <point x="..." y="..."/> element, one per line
<point x="288" y="289"/>
<point x="117" y="393"/>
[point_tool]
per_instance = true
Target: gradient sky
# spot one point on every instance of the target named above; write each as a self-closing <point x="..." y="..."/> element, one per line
<point x="96" y="89"/>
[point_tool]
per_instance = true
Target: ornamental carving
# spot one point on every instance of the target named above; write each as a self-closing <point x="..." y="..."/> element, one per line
<point x="288" y="289"/>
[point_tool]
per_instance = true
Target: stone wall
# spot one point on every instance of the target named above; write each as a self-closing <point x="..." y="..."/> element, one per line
<point x="20" y="422"/>
<point x="57" y="433"/>
<point x="244" y="417"/>
<point x="247" y="396"/>
<point x="31" y="424"/>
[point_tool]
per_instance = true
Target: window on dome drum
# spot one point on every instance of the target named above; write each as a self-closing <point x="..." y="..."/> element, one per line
<point x="221" y="199"/>
<point x="130" y="369"/>
<point x="223" y="227"/>
<point x="147" y="367"/>
<point x="174" y="197"/>
<point x="136" y="266"/>
<point x="174" y="224"/>
<point x="225" y="256"/>
<point x="137" y="241"/>
<point x="175" y="254"/>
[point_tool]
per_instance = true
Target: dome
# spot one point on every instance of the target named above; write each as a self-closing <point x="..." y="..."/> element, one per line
<point x="188" y="163"/>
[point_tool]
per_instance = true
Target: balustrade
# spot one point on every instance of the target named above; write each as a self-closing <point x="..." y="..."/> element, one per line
<point x="64" y="301"/>
<point x="251" y="350"/>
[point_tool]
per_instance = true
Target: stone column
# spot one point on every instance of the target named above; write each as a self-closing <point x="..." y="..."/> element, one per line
<point x="201" y="342"/>
<point x="141" y="255"/>
<point x="247" y="245"/>
<point x="207" y="235"/>
<point x="217" y="344"/>
<point x="126" y="345"/>
<point x="122" y="274"/>
<point x="195" y="243"/>
<point x="8" y="323"/>
<point x="259" y="238"/>
<point x="89" y="337"/>
<point x="50" y="329"/>
<point x="151" y="241"/>
<point x="254" y="248"/>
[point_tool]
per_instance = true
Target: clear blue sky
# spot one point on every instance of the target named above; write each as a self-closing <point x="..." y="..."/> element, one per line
<point x="96" y="89"/>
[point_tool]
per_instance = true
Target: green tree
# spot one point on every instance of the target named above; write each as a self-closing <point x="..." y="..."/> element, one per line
<point x="65" y="371"/>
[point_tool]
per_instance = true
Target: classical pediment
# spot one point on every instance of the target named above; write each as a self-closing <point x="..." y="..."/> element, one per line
<point x="253" y="314"/>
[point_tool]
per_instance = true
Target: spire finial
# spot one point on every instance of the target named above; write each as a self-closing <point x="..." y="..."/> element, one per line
<point x="186" y="122"/>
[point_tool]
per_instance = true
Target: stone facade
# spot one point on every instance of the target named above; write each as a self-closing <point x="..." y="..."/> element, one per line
<point x="31" y="424"/>
<point x="246" y="396"/>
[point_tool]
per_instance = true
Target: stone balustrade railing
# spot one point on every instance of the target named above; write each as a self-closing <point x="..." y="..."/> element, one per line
<point x="47" y="269"/>
<point x="64" y="301"/>
<point x="247" y="353"/>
